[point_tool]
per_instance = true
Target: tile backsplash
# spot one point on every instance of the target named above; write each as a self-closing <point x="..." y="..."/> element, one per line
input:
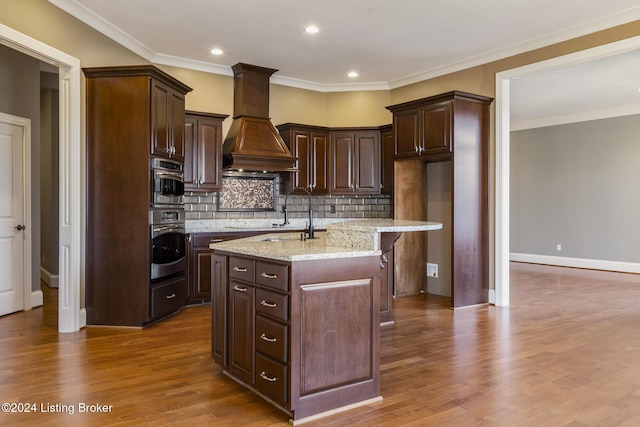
<point x="204" y="206"/>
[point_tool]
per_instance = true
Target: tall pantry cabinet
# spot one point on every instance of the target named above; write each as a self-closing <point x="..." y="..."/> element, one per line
<point x="132" y="113"/>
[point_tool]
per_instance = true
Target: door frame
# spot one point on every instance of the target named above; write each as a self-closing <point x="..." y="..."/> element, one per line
<point x="70" y="316"/>
<point x="25" y="124"/>
<point x="502" y="150"/>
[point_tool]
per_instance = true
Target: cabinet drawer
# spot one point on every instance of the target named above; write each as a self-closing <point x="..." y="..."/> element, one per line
<point x="272" y="338"/>
<point x="241" y="268"/>
<point x="273" y="304"/>
<point x="205" y="239"/>
<point x="167" y="297"/>
<point x="273" y="275"/>
<point x="271" y="379"/>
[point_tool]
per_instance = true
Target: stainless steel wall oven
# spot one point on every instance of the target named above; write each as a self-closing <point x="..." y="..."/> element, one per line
<point x="167" y="243"/>
<point x="168" y="182"/>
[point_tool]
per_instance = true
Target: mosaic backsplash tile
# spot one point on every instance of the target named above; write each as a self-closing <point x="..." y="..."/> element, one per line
<point x="248" y="193"/>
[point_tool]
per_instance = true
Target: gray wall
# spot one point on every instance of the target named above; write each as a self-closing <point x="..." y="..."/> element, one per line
<point x="577" y="185"/>
<point x="20" y="96"/>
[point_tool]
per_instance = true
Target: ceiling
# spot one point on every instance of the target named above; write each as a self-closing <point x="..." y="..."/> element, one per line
<point x="389" y="43"/>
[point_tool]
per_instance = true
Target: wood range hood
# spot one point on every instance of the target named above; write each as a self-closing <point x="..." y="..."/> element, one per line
<point x="253" y="143"/>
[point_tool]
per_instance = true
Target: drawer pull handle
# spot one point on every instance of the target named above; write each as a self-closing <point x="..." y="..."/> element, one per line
<point x="239" y="289"/>
<point x="240" y="269"/>
<point x="268" y="338"/>
<point x="217" y="240"/>
<point x="268" y="304"/>
<point x="265" y="377"/>
<point x="269" y="276"/>
<point x="171" y="296"/>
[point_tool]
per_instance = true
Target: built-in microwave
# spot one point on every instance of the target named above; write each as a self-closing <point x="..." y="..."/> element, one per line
<point x="168" y="182"/>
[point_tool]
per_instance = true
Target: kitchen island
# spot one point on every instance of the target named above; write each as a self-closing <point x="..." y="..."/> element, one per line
<point x="297" y="321"/>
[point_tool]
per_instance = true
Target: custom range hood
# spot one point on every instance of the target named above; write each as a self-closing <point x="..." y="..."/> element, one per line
<point x="253" y="143"/>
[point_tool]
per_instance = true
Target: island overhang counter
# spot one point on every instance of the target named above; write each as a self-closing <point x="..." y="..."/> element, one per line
<point x="297" y="321"/>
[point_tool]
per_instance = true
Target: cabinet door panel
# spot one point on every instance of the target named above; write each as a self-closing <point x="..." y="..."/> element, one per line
<point x="407" y="138"/>
<point x="342" y="153"/>
<point x="190" y="144"/>
<point x="176" y="112"/>
<point x="219" y="309"/>
<point x="241" y="335"/>
<point x="209" y="164"/>
<point x="301" y="151"/>
<point x="160" y="119"/>
<point x="346" y="330"/>
<point x="436" y="124"/>
<point x="318" y="163"/>
<point x="367" y="156"/>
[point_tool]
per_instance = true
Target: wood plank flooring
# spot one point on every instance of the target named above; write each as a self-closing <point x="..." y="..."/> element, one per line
<point x="565" y="353"/>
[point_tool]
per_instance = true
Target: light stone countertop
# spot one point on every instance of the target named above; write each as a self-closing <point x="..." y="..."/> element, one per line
<point x="289" y="247"/>
<point x="366" y="233"/>
<point x="352" y="238"/>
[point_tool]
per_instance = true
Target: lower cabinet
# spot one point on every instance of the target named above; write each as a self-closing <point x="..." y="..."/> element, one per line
<point x="167" y="297"/>
<point x="199" y="271"/>
<point x="302" y="334"/>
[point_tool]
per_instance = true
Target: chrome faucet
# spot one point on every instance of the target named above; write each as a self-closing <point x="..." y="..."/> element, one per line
<point x="309" y="231"/>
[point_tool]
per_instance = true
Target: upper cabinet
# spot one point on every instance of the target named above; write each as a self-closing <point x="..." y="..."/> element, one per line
<point x="387" y="152"/>
<point x="167" y="120"/>
<point x="355" y="161"/>
<point x="203" y="151"/>
<point x="422" y="130"/>
<point x="310" y="144"/>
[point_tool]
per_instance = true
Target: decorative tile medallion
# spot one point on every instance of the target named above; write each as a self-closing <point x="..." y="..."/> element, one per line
<point x="248" y="193"/>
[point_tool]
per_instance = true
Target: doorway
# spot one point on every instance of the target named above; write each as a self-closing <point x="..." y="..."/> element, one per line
<point x="70" y="317"/>
<point x="502" y="153"/>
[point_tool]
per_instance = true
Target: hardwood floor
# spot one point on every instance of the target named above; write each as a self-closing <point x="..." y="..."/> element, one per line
<point x="565" y="353"/>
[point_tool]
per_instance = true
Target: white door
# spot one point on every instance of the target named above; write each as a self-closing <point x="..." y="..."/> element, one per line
<point x="12" y="234"/>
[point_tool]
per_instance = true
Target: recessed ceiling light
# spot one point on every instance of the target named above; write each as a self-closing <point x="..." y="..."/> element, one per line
<point x="311" y="29"/>
<point x="216" y="51"/>
<point x="352" y="74"/>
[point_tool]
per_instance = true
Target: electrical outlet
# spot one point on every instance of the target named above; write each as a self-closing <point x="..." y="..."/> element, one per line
<point x="432" y="270"/>
<point x="558" y="247"/>
<point x="333" y="208"/>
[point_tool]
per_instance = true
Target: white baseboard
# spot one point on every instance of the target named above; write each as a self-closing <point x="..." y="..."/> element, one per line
<point x="83" y="317"/>
<point x="593" y="264"/>
<point x="36" y="298"/>
<point x="50" y="279"/>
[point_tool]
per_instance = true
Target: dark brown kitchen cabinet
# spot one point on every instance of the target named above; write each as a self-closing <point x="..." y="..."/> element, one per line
<point x="355" y="161"/>
<point x="451" y="129"/>
<point x="241" y="326"/>
<point x="129" y="110"/>
<point x="303" y="334"/>
<point x="201" y="271"/>
<point x="203" y="151"/>
<point x="219" y="308"/>
<point x="167" y="120"/>
<point x="386" y="159"/>
<point x="422" y="130"/>
<point x="310" y="144"/>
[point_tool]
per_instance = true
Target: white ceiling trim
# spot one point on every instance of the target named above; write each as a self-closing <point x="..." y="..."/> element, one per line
<point x="88" y="17"/>
<point x="105" y="27"/>
<point x="609" y="22"/>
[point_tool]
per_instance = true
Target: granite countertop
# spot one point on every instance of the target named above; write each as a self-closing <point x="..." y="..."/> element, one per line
<point x="289" y="247"/>
<point x="344" y="239"/>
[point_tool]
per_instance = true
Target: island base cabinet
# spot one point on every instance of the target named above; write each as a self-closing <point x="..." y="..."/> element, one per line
<point x="338" y="333"/>
<point x="308" y="342"/>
